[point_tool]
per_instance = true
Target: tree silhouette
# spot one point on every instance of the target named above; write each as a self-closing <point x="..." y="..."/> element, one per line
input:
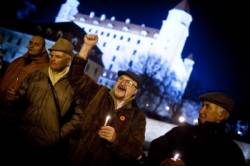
<point x="157" y="97"/>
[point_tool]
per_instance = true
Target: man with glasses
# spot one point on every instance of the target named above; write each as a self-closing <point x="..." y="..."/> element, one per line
<point x="112" y="127"/>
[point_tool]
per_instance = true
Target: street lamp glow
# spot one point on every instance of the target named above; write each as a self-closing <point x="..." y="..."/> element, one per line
<point x="182" y="119"/>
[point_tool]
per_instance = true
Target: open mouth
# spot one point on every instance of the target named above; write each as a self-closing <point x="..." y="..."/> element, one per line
<point x="122" y="88"/>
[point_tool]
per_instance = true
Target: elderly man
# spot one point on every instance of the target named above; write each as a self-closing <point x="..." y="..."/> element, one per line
<point x="205" y="144"/>
<point x="112" y="127"/>
<point x="47" y="96"/>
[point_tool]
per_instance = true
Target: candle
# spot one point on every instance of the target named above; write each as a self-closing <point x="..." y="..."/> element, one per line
<point x="16" y="84"/>
<point x="176" y="157"/>
<point x="107" y="119"/>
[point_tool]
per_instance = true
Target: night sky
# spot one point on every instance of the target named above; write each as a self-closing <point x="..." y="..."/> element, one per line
<point x="217" y="38"/>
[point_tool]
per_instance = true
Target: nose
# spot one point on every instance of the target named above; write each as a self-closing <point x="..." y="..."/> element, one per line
<point x="202" y="110"/>
<point x="31" y="45"/>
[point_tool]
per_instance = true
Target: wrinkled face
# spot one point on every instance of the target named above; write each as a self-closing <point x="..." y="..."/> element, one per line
<point x="211" y="112"/>
<point x="36" y="46"/>
<point x="59" y="60"/>
<point x="125" y="88"/>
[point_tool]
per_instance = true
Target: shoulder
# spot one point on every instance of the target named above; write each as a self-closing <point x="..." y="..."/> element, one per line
<point x="39" y="74"/>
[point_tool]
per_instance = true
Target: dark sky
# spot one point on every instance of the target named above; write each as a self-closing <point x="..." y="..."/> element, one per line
<point x="217" y="40"/>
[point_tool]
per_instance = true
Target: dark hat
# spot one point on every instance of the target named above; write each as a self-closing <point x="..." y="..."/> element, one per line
<point x="219" y="99"/>
<point x="132" y="75"/>
<point x="63" y="45"/>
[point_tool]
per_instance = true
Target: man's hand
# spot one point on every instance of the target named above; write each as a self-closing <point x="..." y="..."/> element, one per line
<point x="170" y="162"/>
<point x="108" y="133"/>
<point x="90" y="39"/>
<point x="89" y="42"/>
<point x="11" y="94"/>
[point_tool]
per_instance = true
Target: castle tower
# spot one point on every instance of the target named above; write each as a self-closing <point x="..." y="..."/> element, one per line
<point x="67" y="11"/>
<point x="174" y="31"/>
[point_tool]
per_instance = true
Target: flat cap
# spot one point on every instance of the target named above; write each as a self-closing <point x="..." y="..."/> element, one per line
<point x="132" y="75"/>
<point x="219" y="99"/>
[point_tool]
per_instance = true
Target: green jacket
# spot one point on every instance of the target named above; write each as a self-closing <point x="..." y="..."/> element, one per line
<point x="39" y="122"/>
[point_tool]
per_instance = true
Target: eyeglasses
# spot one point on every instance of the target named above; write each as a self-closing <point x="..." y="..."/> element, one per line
<point x="128" y="82"/>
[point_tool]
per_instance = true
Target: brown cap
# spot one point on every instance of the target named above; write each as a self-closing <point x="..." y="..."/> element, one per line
<point x="63" y="45"/>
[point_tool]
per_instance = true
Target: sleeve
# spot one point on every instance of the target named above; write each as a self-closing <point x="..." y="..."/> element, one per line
<point x="160" y="148"/>
<point x="85" y="89"/>
<point x="130" y="147"/>
<point x="73" y="124"/>
<point x="76" y="69"/>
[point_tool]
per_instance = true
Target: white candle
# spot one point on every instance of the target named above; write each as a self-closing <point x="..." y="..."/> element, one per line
<point x="16" y="85"/>
<point x="107" y="119"/>
<point x="176" y="157"/>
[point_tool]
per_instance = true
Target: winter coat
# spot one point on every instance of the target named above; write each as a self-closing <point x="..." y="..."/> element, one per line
<point x="205" y="145"/>
<point x="40" y="121"/>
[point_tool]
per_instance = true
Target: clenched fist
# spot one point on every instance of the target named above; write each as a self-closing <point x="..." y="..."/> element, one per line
<point x="90" y="39"/>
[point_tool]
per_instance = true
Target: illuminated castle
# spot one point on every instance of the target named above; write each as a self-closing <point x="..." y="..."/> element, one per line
<point x="121" y="42"/>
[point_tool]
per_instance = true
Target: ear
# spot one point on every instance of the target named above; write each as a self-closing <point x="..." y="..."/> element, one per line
<point x="222" y="114"/>
<point x="135" y="92"/>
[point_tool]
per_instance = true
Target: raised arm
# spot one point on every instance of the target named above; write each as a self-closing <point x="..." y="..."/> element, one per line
<point x="90" y="41"/>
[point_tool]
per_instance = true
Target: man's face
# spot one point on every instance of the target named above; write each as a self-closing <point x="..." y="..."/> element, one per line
<point x="211" y="112"/>
<point x="59" y="60"/>
<point x="36" y="46"/>
<point x="125" y="88"/>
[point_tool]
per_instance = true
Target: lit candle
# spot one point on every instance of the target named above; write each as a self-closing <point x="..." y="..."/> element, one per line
<point x="176" y="157"/>
<point x="16" y="84"/>
<point x="107" y="119"/>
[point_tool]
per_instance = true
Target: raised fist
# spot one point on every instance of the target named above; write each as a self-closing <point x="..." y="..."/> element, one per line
<point x="90" y="39"/>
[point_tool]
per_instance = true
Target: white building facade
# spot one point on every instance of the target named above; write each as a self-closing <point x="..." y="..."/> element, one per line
<point x="122" y="42"/>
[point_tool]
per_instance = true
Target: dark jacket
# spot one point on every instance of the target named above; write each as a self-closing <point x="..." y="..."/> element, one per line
<point x="87" y="148"/>
<point x="205" y="145"/>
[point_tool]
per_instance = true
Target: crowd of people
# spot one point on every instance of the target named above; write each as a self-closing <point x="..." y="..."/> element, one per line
<point x="51" y="112"/>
